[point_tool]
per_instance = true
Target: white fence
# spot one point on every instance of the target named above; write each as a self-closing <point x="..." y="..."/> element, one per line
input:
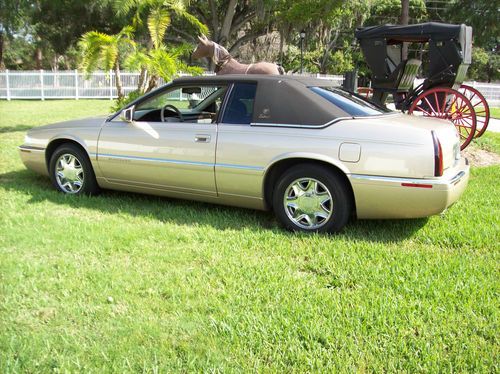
<point x="491" y="91"/>
<point x="72" y="84"/>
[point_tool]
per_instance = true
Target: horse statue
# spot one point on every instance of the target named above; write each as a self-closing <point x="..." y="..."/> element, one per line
<point x="226" y="64"/>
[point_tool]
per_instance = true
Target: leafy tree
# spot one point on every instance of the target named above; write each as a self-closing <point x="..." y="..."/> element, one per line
<point x="482" y="15"/>
<point x="232" y="23"/>
<point x="61" y="23"/>
<point x="389" y="12"/>
<point x="14" y="15"/>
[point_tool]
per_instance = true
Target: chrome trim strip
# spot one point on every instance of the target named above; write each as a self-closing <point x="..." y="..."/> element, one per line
<point x="234" y="166"/>
<point x="181" y="162"/>
<point x="435" y="182"/>
<point x="29" y="148"/>
<point x="152" y="159"/>
<point x="325" y="124"/>
<point x="457" y="177"/>
<point x="300" y="126"/>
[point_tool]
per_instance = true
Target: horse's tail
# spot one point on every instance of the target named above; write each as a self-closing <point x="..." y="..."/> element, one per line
<point x="281" y="70"/>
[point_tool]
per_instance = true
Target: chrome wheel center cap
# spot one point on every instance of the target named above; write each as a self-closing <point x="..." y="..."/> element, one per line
<point x="69" y="173"/>
<point x="308" y="203"/>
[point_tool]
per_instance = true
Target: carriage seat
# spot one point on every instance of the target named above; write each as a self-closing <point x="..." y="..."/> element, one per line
<point x="401" y="79"/>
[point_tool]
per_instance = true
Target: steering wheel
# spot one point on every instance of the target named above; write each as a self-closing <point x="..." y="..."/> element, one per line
<point x="170" y="106"/>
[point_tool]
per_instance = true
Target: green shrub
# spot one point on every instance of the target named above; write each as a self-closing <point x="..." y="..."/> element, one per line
<point x="120" y="103"/>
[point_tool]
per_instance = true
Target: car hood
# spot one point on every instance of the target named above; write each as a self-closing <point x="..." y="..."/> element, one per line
<point x="91" y="122"/>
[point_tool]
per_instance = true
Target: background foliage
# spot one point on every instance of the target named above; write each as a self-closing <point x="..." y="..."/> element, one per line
<point x="45" y="33"/>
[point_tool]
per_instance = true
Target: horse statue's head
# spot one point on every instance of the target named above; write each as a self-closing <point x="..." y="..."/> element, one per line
<point x="210" y="49"/>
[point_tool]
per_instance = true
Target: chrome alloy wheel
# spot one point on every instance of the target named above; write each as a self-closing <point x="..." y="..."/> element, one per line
<point x="308" y="203"/>
<point x="69" y="173"/>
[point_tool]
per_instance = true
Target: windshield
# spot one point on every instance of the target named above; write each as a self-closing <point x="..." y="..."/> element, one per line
<point x="350" y="103"/>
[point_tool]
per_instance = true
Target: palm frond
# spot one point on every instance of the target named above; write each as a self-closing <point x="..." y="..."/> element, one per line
<point x="137" y="60"/>
<point x="181" y="50"/>
<point x="195" y="22"/>
<point x="163" y="64"/>
<point x="91" y="44"/>
<point x="127" y="31"/>
<point x="109" y="55"/>
<point x="193" y="70"/>
<point x="158" y="21"/>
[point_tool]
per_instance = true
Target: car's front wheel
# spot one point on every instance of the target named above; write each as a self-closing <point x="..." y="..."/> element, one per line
<point x="312" y="198"/>
<point x="71" y="171"/>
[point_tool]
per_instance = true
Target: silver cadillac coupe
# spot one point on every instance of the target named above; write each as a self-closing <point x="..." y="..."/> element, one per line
<point x="311" y="152"/>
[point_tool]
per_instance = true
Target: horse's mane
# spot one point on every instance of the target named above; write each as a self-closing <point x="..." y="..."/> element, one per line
<point x="221" y="55"/>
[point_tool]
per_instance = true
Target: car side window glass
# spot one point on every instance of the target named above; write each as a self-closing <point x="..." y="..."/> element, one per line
<point x="190" y="104"/>
<point x="239" y="109"/>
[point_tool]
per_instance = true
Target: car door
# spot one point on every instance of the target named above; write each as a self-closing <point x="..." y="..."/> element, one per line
<point x="240" y="147"/>
<point x="173" y="155"/>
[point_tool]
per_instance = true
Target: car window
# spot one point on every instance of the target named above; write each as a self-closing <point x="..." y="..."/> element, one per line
<point x="239" y="109"/>
<point x="196" y="104"/>
<point x="349" y="103"/>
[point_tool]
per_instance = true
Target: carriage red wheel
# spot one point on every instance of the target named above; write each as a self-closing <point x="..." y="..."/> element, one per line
<point x="365" y="92"/>
<point x="481" y="108"/>
<point x="442" y="102"/>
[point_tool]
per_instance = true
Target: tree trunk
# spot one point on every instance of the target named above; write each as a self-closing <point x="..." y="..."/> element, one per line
<point x="142" y="80"/>
<point x="228" y="21"/>
<point x="405" y="16"/>
<point x="328" y="49"/>
<point x="2" y="65"/>
<point x="282" y="46"/>
<point x="118" y="81"/>
<point x="38" y="58"/>
<point x="153" y="81"/>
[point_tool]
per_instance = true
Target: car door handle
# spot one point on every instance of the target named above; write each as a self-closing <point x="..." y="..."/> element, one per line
<point x="202" y="138"/>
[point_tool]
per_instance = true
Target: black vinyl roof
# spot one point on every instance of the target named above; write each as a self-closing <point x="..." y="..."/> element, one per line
<point x="307" y="81"/>
<point x="420" y="32"/>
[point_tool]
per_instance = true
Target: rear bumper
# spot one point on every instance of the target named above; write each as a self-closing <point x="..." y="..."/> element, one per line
<point x="387" y="197"/>
<point x="33" y="158"/>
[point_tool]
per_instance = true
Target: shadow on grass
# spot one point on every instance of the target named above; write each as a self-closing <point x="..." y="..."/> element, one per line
<point x="7" y="129"/>
<point x="184" y="212"/>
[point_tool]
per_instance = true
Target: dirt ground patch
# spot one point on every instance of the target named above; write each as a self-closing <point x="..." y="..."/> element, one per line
<point x="480" y="157"/>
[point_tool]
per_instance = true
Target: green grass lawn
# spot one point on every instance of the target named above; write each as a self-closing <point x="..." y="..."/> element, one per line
<point x="495" y="112"/>
<point x="132" y="283"/>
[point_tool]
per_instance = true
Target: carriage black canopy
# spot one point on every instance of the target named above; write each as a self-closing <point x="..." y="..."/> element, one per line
<point x="449" y="53"/>
<point x="420" y="32"/>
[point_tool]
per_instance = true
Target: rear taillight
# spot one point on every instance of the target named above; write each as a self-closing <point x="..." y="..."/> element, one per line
<point x="438" y="156"/>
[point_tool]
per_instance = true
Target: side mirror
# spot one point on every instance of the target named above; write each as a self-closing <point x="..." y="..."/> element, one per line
<point x="127" y="115"/>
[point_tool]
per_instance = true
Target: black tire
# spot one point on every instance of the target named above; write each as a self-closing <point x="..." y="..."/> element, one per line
<point x="89" y="185"/>
<point x="340" y="202"/>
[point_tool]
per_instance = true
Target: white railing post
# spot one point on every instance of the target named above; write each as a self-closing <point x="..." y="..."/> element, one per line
<point x="41" y="85"/>
<point x="7" y="84"/>
<point x="76" y="84"/>
<point x="110" y="85"/>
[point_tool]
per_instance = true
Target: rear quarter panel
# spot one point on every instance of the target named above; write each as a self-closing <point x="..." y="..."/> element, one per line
<point x="245" y="153"/>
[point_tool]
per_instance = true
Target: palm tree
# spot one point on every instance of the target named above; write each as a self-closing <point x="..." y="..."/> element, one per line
<point x="103" y="50"/>
<point x="158" y="61"/>
<point x="154" y="61"/>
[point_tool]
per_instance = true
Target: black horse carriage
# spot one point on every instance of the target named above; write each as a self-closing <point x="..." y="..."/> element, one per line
<point x="442" y="93"/>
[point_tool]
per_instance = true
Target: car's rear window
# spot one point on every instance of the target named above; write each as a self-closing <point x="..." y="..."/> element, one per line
<point x="349" y="103"/>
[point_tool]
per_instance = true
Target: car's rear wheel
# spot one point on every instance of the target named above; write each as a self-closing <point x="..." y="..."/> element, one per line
<point x="71" y="171"/>
<point x="312" y="198"/>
